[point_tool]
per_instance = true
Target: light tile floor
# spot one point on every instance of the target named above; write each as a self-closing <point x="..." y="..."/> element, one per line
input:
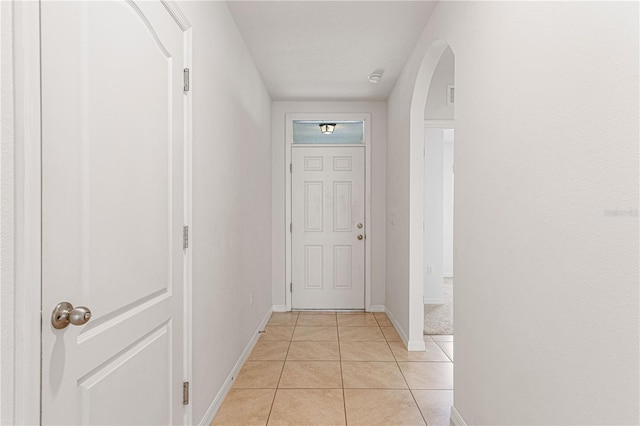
<point x="340" y="369"/>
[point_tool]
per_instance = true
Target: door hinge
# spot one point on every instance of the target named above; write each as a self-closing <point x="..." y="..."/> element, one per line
<point x="290" y="287"/>
<point x="185" y="393"/>
<point x="186" y="79"/>
<point x="185" y="237"/>
<point x="291" y="227"/>
<point x="290" y="167"/>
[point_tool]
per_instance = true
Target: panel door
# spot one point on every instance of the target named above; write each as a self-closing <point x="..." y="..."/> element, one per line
<point x="113" y="129"/>
<point x="328" y="227"/>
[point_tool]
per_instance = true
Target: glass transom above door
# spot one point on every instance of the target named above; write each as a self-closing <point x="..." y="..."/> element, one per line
<point x="328" y="132"/>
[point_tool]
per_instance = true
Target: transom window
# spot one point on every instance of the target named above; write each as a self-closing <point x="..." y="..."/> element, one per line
<point x="328" y="132"/>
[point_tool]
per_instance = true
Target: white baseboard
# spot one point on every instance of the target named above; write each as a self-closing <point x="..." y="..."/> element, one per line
<point x="456" y="419"/>
<point x="399" y="329"/>
<point x="377" y="308"/>
<point x="207" y="419"/>
<point x="434" y="301"/>
<point x="279" y="308"/>
<point x="413" y="345"/>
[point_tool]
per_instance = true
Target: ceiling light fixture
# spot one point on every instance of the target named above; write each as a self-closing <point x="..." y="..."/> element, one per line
<point x="375" y="76"/>
<point x="327" y="128"/>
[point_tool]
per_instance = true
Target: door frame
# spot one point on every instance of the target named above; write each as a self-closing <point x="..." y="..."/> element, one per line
<point x="27" y="185"/>
<point x="28" y="217"/>
<point x="366" y="118"/>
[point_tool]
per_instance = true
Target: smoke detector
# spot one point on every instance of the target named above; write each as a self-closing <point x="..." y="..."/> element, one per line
<point x="375" y="76"/>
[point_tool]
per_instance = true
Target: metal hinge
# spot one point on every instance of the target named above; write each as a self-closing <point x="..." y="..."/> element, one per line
<point x="290" y="287"/>
<point x="290" y="167"/>
<point x="185" y="237"/>
<point x="290" y="227"/>
<point x="185" y="393"/>
<point x="186" y="79"/>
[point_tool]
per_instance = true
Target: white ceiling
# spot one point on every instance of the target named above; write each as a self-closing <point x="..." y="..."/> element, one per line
<point x="324" y="50"/>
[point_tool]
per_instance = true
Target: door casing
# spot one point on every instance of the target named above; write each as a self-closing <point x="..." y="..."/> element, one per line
<point x="289" y="119"/>
<point x="28" y="307"/>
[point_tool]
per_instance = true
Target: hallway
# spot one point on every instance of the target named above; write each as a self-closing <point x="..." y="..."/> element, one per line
<point x="149" y="225"/>
<point x="344" y="368"/>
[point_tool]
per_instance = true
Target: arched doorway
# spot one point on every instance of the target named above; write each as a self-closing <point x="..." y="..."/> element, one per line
<point x="438" y="206"/>
<point x="423" y="83"/>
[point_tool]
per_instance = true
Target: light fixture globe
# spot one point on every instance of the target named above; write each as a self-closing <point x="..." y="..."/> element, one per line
<point x="327" y="128"/>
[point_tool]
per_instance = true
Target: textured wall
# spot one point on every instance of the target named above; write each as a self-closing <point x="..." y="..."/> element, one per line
<point x="6" y="215"/>
<point x="546" y="217"/>
<point x="231" y="236"/>
<point x="437" y="107"/>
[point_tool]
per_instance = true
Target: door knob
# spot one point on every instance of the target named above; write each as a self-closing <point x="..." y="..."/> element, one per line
<point x="360" y="236"/>
<point x="65" y="313"/>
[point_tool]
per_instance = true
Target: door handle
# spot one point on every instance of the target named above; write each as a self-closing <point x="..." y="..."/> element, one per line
<point x="360" y="236"/>
<point x="65" y="314"/>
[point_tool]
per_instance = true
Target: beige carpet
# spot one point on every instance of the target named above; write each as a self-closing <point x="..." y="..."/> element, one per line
<point x="438" y="319"/>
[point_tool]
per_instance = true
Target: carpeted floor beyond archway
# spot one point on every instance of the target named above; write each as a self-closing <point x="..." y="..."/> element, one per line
<point x="438" y="319"/>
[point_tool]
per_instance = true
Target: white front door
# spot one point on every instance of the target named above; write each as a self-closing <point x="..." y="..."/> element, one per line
<point x="113" y="125"/>
<point x="328" y="227"/>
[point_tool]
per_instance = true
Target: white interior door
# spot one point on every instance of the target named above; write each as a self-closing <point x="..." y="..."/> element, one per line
<point x="328" y="227"/>
<point x="113" y="129"/>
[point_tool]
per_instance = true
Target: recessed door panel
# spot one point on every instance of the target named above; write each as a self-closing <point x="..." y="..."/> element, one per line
<point x="341" y="164"/>
<point x="342" y="266"/>
<point x="313" y="267"/>
<point x="313" y="164"/>
<point x="342" y="207"/>
<point x="114" y="384"/>
<point x="313" y="211"/>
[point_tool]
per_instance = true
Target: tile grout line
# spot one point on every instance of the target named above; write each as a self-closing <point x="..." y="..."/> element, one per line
<point x="407" y="383"/>
<point x="296" y="324"/>
<point x="341" y="360"/>
<point x="442" y="349"/>
<point x="344" y="399"/>
<point x="282" y="371"/>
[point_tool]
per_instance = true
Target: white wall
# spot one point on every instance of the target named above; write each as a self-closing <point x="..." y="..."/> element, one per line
<point x="438" y="212"/>
<point x="447" y="203"/>
<point x="546" y="295"/>
<point x="438" y="201"/>
<point x="376" y="233"/>
<point x="7" y="221"/>
<point x="437" y="107"/>
<point x="433" y="216"/>
<point x="231" y="236"/>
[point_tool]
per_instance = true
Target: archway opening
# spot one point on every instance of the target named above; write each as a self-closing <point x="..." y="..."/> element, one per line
<point x="417" y="270"/>
<point x="439" y="115"/>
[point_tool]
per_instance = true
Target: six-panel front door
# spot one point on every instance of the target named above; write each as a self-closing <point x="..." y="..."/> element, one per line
<point x="113" y="128"/>
<point x="328" y="227"/>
